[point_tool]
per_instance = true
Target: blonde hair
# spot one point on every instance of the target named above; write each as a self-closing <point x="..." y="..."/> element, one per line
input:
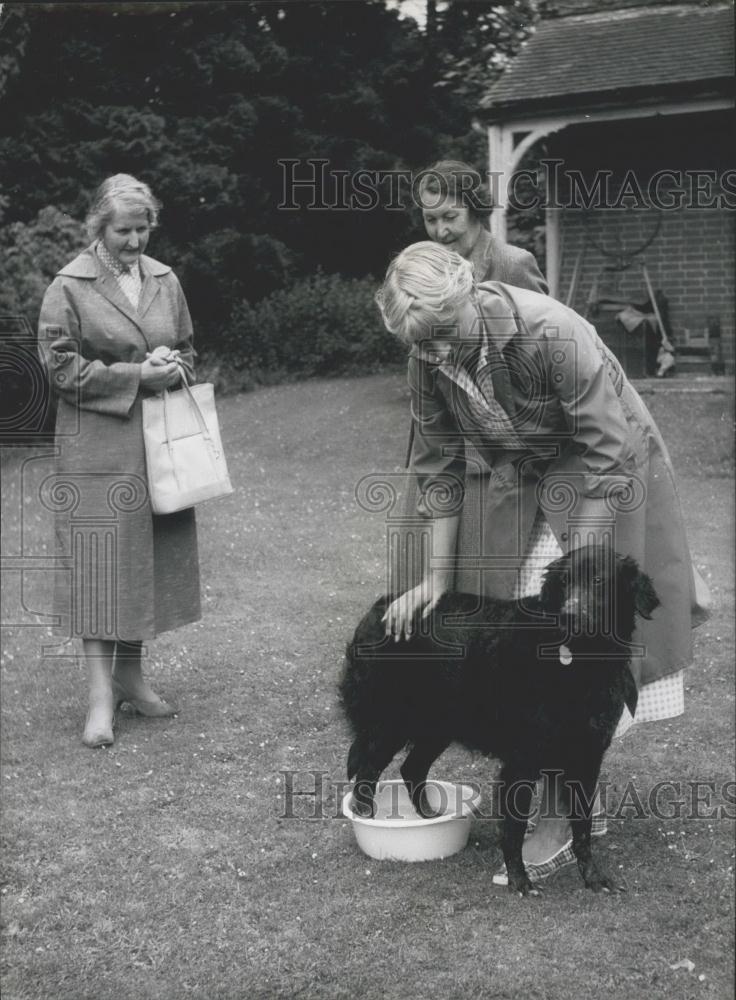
<point x="423" y="288"/>
<point x="120" y="190"/>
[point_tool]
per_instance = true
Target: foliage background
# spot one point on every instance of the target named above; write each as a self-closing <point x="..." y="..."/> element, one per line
<point x="202" y="101"/>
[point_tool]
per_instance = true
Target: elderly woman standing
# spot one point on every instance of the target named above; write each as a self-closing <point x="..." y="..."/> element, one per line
<point x="569" y="452"/>
<point x="115" y="327"/>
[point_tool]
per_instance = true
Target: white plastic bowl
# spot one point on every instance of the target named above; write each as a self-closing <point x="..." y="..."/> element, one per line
<point x="398" y="833"/>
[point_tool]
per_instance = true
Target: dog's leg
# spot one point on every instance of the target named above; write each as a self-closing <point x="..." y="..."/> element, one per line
<point x="368" y="758"/>
<point x="516" y="797"/>
<point x="415" y="769"/>
<point x="579" y="794"/>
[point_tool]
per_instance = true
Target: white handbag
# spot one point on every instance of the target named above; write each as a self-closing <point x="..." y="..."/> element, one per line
<point x="184" y="457"/>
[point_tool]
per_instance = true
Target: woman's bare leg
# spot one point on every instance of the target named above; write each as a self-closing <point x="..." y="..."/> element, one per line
<point x="132" y="685"/>
<point x="98" y="655"/>
<point x="128" y="671"/>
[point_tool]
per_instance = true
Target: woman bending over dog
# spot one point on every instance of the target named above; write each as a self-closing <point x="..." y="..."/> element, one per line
<point x="530" y="441"/>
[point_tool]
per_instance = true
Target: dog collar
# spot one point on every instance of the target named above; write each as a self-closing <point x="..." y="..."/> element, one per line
<point x="565" y="656"/>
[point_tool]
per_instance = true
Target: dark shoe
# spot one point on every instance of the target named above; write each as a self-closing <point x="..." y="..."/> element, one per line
<point x="155" y="708"/>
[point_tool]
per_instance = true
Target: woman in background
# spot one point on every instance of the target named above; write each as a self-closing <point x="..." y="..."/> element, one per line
<point x="456" y="208"/>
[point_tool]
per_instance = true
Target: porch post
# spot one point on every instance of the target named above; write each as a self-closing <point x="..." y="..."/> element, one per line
<point x="552" y="236"/>
<point x="499" y="142"/>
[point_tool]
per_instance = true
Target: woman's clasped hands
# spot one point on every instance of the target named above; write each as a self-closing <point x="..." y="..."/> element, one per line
<point x="161" y="369"/>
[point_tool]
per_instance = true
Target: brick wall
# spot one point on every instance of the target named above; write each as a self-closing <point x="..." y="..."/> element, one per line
<point x="692" y="257"/>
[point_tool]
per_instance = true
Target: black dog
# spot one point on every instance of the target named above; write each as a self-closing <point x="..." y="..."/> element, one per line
<point x="539" y="683"/>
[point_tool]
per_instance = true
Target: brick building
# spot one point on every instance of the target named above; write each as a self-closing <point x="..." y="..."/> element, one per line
<point x="626" y="110"/>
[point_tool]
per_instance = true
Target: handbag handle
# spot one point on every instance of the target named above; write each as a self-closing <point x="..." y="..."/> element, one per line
<point x="197" y="414"/>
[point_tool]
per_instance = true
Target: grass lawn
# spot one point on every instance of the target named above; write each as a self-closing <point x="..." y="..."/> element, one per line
<point x="174" y="864"/>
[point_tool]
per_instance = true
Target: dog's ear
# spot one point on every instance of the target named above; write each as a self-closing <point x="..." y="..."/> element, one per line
<point x="645" y="595"/>
<point x="554" y="585"/>
<point x="631" y="692"/>
<point x="641" y="587"/>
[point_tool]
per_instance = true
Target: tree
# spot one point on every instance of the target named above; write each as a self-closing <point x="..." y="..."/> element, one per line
<point x="478" y="41"/>
<point x="32" y="253"/>
<point x="205" y="102"/>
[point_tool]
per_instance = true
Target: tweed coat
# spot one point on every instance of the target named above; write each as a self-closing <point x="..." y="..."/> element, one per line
<point x="591" y="460"/>
<point x="125" y="573"/>
<point x="494" y="260"/>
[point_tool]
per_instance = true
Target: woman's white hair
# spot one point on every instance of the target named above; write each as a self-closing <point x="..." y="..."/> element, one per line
<point x="423" y="288"/>
<point x="120" y="191"/>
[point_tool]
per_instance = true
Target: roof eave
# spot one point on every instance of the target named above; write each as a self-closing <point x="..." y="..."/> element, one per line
<point x="605" y="100"/>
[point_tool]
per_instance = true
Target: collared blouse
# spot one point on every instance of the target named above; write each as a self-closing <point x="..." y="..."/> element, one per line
<point x="128" y="278"/>
<point x="558" y="386"/>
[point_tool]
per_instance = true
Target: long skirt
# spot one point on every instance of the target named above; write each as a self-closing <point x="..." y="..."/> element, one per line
<point x="124" y="573"/>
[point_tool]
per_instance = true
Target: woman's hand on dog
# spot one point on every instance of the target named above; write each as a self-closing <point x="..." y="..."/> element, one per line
<point x="401" y="613"/>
